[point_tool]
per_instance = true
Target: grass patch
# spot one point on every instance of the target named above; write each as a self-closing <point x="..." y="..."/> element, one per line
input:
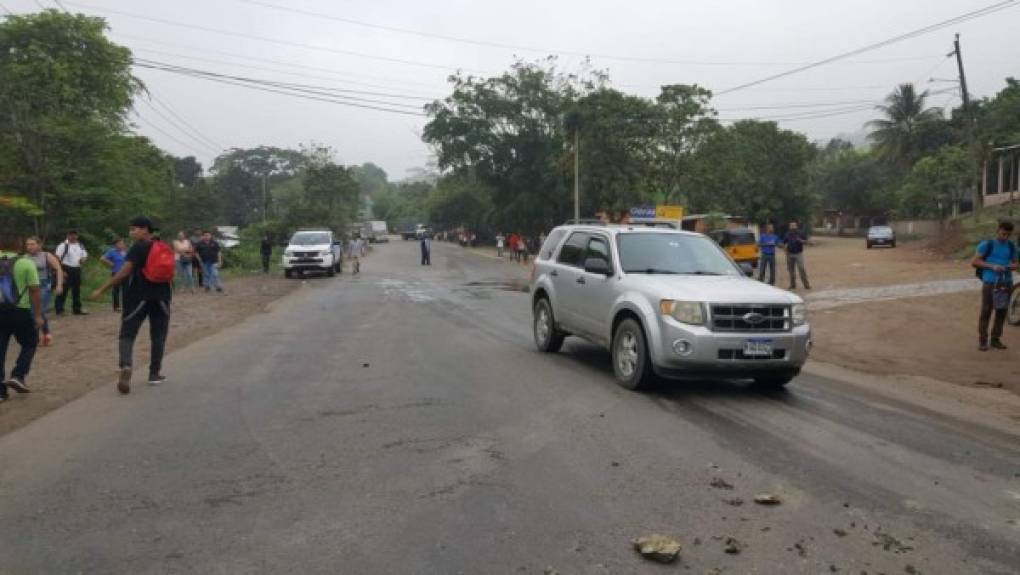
<point x="975" y="229"/>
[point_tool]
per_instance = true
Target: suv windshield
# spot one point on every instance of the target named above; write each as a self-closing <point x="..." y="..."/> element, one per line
<point x="309" y="239"/>
<point x="673" y="254"/>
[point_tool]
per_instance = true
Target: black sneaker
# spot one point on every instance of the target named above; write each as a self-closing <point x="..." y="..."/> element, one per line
<point x="997" y="344"/>
<point x="17" y="384"/>
<point x="124" y="381"/>
<point x="3" y="392"/>
<point x="81" y="312"/>
<point x="982" y="346"/>
<point x="157" y="379"/>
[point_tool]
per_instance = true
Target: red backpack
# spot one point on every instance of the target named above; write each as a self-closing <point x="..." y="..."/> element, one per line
<point x="159" y="266"/>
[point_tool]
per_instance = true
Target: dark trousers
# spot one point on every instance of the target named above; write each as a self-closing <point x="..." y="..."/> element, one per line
<point x="19" y="324"/>
<point x="796" y="261"/>
<point x="986" y="316"/>
<point x="767" y="261"/>
<point x="72" y="285"/>
<point x="426" y="256"/>
<point x="117" y="292"/>
<point x="135" y="313"/>
<point x="265" y="262"/>
<point x="197" y="266"/>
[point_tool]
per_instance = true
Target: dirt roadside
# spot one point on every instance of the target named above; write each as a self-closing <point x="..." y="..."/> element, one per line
<point x="83" y="355"/>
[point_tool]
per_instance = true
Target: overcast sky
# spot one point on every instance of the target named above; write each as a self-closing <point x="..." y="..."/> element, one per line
<point x="642" y="43"/>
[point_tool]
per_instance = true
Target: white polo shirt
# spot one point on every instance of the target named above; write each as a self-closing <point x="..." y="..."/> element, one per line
<point x="71" y="255"/>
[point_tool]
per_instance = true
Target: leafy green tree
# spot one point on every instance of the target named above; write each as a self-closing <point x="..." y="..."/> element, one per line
<point x="851" y="181"/>
<point x="460" y="200"/>
<point x="899" y="135"/>
<point x="65" y="88"/>
<point x="941" y="179"/>
<point x="686" y="123"/>
<point x="244" y="180"/>
<point x="371" y="178"/>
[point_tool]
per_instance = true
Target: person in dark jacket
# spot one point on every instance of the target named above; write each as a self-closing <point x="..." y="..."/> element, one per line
<point x="794" y="241"/>
<point x="266" y="249"/>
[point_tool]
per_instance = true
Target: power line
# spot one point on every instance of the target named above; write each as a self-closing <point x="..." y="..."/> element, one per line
<point x="920" y="31"/>
<point x="168" y="135"/>
<point x="292" y="44"/>
<point x="492" y="44"/>
<point x="171" y="122"/>
<point x="801" y="105"/>
<point x="186" y="124"/>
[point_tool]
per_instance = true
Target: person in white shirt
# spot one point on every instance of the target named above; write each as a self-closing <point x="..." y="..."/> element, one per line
<point x="72" y="256"/>
<point x="500" y="242"/>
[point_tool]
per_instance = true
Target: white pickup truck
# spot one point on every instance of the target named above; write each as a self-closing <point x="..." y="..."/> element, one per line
<point x="312" y="250"/>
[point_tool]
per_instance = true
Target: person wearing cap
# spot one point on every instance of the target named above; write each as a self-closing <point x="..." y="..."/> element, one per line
<point x="71" y="255"/>
<point x="142" y="299"/>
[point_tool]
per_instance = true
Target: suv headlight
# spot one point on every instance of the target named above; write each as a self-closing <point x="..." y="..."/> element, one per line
<point x="799" y="314"/>
<point x="689" y="312"/>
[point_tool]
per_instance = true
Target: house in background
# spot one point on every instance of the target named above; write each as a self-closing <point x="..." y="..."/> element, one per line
<point x="999" y="182"/>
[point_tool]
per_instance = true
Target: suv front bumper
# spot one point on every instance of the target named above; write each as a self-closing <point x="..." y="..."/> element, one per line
<point x="683" y="349"/>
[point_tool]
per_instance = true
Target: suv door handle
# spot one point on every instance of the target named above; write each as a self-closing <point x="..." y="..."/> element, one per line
<point x="554" y="273"/>
<point x="580" y="279"/>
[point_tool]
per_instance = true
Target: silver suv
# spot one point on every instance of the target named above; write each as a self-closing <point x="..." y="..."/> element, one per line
<point x="667" y="303"/>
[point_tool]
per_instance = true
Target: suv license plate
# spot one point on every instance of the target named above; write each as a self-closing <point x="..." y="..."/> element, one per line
<point x="758" y="348"/>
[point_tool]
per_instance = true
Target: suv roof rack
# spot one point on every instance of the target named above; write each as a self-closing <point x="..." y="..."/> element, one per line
<point x="585" y="222"/>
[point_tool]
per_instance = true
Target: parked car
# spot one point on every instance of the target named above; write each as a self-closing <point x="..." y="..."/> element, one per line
<point x="740" y="243"/>
<point x="880" y="236"/>
<point x="312" y="250"/>
<point x="665" y="303"/>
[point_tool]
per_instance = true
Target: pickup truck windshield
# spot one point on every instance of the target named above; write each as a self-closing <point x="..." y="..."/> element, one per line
<point x="309" y="239"/>
<point x="654" y="253"/>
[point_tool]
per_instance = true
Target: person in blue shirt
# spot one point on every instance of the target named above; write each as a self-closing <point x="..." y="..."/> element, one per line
<point x="114" y="259"/>
<point x="767" y="241"/>
<point x="996" y="259"/>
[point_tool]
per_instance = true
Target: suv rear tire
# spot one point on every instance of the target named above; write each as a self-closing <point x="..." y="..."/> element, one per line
<point x="631" y="363"/>
<point x="775" y="380"/>
<point x="547" y="338"/>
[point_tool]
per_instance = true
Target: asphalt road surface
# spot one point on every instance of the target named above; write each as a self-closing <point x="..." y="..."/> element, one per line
<point x="402" y="422"/>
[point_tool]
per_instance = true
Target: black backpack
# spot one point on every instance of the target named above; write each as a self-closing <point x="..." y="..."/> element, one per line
<point x="989" y="246"/>
<point x="9" y="294"/>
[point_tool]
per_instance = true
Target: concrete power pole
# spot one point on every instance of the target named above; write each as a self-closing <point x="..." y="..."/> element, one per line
<point x="265" y="202"/>
<point x="968" y="115"/>
<point x="577" y="175"/>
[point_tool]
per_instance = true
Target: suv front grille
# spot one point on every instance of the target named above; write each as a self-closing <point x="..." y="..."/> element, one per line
<point x="306" y="254"/>
<point x="753" y="318"/>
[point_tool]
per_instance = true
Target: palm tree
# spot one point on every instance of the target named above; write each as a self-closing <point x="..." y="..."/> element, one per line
<point x="897" y="137"/>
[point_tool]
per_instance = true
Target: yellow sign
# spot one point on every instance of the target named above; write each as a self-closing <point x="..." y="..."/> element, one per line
<point x="669" y="212"/>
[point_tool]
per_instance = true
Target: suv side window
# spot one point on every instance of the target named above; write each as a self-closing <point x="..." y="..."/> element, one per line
<point x="572" y="252"/>
<point x="547" y="249"/>
<point x="598" y="248"/>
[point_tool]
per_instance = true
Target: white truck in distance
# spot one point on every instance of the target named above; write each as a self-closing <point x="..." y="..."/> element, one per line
<point x="312" y="250"/>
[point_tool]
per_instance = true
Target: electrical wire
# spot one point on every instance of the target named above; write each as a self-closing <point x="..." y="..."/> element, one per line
<point x="186" y="124"/>
<point x="171" y="122"/>
<point x="991" y="9"/>
<point x="152" y="125"/>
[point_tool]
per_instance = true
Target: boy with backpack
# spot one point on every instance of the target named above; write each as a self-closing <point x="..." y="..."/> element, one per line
<point x="20" y="313"/>
<point x="993" y="264"/>
<point x="149" y="272"/>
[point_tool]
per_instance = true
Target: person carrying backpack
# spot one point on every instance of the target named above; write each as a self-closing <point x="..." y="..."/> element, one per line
<point x="71" y="255"/>
<point x="994" y="263"/>
<point x="20" y="313"/>
<point x="149" y="272"/>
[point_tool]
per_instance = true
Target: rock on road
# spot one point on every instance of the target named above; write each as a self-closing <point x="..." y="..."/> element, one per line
<point x="401" y="421"/>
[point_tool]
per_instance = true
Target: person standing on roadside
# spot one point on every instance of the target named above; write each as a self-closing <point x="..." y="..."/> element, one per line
<point x="184" y="258"/>
<point x="767" y="241"/>
<point x="114" y="260"/>
<point x="426" y="251"/>
<point x="266" y="250"/>
<point x="995" y="261"/>
<point x="794" y="241"/>
<point x="20" y="313"/>
<point x="500" y="242"/>
<point x="210" y="255"/>
<point x="44" y="263"/>
<point x="149" y="272"/>
<point x="72" y="256"/>
<point x="196" y="236"/>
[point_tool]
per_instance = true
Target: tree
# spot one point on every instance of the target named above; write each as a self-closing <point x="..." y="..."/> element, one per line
<point x="244" y="180"/>
<point x="65" y="88"/>
<point x="460" y="200"/>
<point x="941" y="179"/>
<point x="687" y="122"/>
<point x="899" y="135"/>
<point x="851" y="181"/>
<point x="371" y="178"/>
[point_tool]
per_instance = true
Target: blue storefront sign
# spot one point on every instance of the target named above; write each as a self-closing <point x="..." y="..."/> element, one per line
<point x="647" y="211"/>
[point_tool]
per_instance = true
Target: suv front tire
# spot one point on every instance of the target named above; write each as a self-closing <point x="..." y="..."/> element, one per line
<point x="631" y="364"/>
<point x="547" y="338"/>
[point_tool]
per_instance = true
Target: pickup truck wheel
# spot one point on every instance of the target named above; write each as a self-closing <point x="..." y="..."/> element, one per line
<point x="776" y="380"/>
<point x="288" y="274"/>
<point x="547" y="338"/>
<point x="331" y="271"/>
<point x="631" y="362"/>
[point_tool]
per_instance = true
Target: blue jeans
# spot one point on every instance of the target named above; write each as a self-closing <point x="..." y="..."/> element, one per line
<point x="184" y="277"/>
<point x="46" y="293"/>
<point x="211" y="271"/>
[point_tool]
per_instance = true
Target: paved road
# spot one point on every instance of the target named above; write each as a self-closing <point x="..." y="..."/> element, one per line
<point x="401" y="422"/>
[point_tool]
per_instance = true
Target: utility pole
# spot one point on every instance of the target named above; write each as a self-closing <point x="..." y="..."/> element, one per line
<point x="265" y="202"/>
<point x="577" y="175"/>
<point x="968" y="116"/>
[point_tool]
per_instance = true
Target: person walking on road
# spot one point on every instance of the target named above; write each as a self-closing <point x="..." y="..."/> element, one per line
<point x="184" y="256"/>
<point x="20" y="313"/>
<point x="767" y="241"/>
<point x="72" y="256"/>
<point x="266" y="251"/>
<point x="210" y="255"/>
<point x="149" y="272"/>
<point x="794" y="241"/>
<point x="426" y="251"/>
<point x="114" y="260"/>
<point x="196" y="236"/>
<point x="500" y="243"/>
<point x="45" y="262"/>
<point x="994" y="262"/>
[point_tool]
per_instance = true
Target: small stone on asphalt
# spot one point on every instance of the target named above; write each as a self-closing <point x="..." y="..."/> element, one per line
<point x="720" y="483"/>
<point x="657" y="548"/>
<point x="767" y="499"/>
<point x="733" y="546"/>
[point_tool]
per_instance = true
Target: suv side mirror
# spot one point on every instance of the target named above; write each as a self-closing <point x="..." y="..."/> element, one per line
<point x="597" y="266"/>
<point x="747" y="269"/>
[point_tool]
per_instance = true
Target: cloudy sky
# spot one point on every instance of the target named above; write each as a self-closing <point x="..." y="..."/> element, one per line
<point x="396" y="54"/>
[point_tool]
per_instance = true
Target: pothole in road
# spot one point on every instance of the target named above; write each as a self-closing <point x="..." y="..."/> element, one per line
<point x="516" y="286"/>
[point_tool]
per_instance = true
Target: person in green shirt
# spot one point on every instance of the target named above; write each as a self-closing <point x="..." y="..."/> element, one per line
<point x="20" y="312"/>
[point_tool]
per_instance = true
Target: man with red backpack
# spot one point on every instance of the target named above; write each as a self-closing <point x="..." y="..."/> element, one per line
<point x="149" y="272"/>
